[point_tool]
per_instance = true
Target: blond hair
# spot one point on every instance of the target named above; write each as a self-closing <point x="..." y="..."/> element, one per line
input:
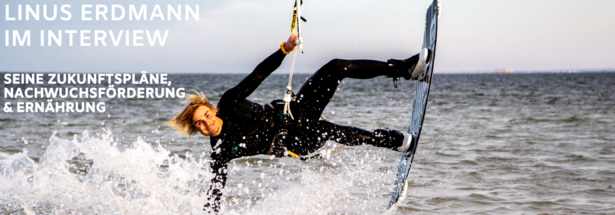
<point x="182" y="123"/>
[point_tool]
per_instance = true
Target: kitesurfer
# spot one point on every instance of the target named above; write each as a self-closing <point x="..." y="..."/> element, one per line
<point x="238" y="127"/>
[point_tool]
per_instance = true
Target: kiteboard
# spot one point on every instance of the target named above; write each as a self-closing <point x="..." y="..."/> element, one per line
<point x="420" y="102"/>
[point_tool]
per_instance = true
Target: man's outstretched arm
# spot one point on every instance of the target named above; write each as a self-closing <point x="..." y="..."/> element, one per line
<point x="219" y="167"/>
<point x="262" y="71"/>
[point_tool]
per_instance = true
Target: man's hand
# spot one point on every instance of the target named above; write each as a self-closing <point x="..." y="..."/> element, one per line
<point x="290" y="43"/>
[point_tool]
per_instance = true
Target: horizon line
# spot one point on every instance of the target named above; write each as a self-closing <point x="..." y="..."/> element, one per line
<point x="306" y="73"/>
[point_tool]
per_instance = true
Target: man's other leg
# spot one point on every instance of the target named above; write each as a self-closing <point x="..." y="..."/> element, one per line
<point x="352" y="136"/>
<point x="317" y="91"/>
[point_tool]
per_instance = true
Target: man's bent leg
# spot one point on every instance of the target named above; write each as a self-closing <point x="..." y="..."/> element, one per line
<point x="317" y="91"/>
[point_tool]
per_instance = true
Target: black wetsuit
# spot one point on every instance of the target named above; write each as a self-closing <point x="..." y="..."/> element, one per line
<point x="250" y="129"/>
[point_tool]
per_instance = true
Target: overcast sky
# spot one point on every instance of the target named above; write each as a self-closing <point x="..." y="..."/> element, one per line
<point x="233" y="36"/>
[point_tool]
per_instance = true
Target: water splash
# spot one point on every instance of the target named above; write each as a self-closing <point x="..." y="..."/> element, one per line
<point x="349" y="182"/>
<point x="92" y="175"/>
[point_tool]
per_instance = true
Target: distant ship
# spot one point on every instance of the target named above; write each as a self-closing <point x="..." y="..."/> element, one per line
<point x="503" y="70"/>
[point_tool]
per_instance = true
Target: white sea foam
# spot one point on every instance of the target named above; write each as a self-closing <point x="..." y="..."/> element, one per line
<point x="92" y="175"/>
<point x="141" y="179"/>
<point x="347" y="182"/>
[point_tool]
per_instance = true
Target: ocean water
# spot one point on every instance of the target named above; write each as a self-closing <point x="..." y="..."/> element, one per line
<point x="491" y="143"/>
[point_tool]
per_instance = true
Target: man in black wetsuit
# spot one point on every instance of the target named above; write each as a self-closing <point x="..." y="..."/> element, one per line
<point x="239" y="127"/>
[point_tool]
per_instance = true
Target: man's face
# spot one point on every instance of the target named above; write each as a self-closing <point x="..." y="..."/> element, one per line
<point x="205" y="121"/>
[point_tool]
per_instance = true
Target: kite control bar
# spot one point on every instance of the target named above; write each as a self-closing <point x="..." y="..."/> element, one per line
<point x="295" y="28"/>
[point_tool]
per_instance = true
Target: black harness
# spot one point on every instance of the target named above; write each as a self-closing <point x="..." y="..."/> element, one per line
<point x="284" y="124"/>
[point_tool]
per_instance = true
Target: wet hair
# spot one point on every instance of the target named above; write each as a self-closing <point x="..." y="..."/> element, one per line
<point x="182" y="123"/>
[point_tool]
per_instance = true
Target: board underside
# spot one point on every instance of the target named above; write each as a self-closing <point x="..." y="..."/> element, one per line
<point x="420" y="102"/>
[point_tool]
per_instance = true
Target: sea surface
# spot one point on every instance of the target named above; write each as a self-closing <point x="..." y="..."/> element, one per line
<point x="491" y="144"/>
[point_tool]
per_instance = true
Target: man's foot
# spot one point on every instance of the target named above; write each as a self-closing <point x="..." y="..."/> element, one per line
<point x="412" y="68"/>
<point x="420" y="69"/>
<point x="406" y="144"/>
<point x="393" y="139"/>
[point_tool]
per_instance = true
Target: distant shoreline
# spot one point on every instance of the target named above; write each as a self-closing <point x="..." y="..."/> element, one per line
<point x="532" y="72"/>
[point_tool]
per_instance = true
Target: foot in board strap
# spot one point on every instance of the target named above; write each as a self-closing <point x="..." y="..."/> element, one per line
<point x="396" y="140"/>
<point x="413" y="68"/>
<point x="406" y="145"/>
